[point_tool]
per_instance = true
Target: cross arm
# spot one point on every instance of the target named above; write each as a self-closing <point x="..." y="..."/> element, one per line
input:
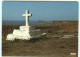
<point x="29" y="14"/>
<point x="23" y="14"/>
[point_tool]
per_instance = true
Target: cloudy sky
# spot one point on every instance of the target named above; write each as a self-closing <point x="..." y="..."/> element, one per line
<point x="40" y="10"/>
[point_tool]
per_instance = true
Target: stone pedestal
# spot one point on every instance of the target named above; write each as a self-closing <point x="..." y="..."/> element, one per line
<point x="25" y="33"/>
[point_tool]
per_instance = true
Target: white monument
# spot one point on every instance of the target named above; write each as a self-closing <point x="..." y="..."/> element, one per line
<point x="24" y="32"/>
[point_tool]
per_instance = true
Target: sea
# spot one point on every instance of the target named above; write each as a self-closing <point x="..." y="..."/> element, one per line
<point x="10" y="22"/>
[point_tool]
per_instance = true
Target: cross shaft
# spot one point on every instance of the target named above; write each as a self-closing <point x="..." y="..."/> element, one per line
<point x="27" y="17"/>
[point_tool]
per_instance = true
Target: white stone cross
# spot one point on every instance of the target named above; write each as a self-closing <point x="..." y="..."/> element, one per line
<point x="27" y="17"/>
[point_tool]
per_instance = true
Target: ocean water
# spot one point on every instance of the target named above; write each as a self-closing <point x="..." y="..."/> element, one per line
<point x="23" y="23"/>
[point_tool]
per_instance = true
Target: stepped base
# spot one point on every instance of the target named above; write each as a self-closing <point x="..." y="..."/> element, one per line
<point x="25" y="33"/>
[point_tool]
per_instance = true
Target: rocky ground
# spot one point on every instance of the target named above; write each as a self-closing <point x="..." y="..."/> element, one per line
<point x="55" y="44"/>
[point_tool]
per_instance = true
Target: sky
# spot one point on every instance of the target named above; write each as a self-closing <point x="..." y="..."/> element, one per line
<point x="46" y="11"/>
